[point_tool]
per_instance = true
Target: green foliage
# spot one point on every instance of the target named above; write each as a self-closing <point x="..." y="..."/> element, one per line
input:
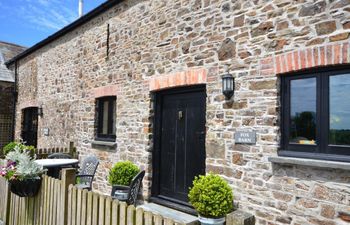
<point x="19" y="165"/>
<point x="122" y="173"/>
<point x="10" y="147"/>
<point x="339" y="137"/>
<point x="211" y="196"/>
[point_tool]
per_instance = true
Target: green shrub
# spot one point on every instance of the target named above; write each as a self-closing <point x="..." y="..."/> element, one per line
<point x="10" y="147"/>
<point x="211" y="196"/>
<point x="122" y="173"/>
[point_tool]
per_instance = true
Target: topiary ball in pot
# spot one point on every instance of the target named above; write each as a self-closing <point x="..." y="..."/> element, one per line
<point x="120" y="176"/>
<point x="212" y="198"/>
<point x="122" y="173"/>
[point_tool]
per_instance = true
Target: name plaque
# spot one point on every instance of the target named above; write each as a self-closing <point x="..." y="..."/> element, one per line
<point x="46" y="131"/>
<point x="245" y="137"/>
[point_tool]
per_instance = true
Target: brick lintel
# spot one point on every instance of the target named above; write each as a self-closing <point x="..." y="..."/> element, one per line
<point x="111" y="90"/>
<point x="29" y="104"/>
<point x="298" y="60"/>
<point x="186" y="78"/>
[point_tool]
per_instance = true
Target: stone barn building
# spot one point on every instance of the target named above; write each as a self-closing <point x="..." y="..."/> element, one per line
<point x="7" y="79"/>
<point x="141" y="80"/>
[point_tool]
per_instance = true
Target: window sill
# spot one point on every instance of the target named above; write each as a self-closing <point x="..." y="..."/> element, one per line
<point x="104" y="144"/>
<point x="310" y="162"/>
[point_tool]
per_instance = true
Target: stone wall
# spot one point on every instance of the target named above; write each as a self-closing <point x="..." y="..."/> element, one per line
<point x="150" y="40"/>
<point x="6" y="113"/>
<point x="7" y="51"/>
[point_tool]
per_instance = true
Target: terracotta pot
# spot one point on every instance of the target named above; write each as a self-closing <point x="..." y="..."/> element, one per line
<point x="25" y="188"/>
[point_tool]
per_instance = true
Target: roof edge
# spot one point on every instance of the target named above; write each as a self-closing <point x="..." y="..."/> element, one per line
<point x="12" y="44"/>
<point x="70" y="27"/>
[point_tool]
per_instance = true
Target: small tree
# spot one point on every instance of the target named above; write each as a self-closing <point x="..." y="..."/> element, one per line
<point x="211" y="196"/>
<point x="122" y="173"/>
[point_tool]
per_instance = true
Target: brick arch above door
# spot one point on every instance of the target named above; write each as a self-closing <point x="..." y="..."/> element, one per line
<point x="178" y="79"/>
<point x="318" y="56"/>
<point x="29" y="104"/>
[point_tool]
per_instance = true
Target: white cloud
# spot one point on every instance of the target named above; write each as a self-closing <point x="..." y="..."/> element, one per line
<point x="49" y="15"/>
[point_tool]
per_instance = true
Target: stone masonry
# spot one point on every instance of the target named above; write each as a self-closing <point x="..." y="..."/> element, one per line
<point x="158" y="44"/>
<point x="7" y="51"/>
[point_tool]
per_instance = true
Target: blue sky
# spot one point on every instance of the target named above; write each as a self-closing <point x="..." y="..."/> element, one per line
<point x="26" y="22"/>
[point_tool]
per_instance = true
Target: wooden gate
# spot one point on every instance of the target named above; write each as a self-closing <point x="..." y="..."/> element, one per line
<point x="49" y="207"/>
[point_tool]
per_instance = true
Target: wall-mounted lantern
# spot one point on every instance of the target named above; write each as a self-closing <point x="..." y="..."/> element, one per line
<point x="228" y="85"/>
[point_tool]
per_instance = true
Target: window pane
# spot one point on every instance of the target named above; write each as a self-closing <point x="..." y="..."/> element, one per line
<point x="105" y="118"/>
<point x="303" y="111"/>
<point x="339" y="110"/>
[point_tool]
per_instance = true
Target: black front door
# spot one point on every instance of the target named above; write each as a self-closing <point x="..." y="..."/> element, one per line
<point x="179" y="142"/>
<point x="30" y="126"/>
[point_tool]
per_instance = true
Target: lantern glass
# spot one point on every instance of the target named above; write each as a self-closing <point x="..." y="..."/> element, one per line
<point x="228" y="85"/>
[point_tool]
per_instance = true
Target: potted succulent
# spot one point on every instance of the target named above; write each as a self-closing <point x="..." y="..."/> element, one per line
<point x="22" y="173"/>
<point x="120" y="177"/>
<point x="212" y="198"/>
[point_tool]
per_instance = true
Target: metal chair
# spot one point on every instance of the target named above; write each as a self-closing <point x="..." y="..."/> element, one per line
<point x="133" y="189"/>
<point x="87" y="172"/>
<point x="59" y="156"/>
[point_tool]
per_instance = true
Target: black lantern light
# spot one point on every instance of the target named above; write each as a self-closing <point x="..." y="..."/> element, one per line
<point x="228" y="85"/>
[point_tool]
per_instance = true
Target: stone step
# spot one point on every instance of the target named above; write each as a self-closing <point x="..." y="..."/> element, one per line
<point x="173" y="214"/>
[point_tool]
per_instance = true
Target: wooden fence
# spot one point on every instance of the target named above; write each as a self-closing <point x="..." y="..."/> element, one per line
<point x="60" y="203"/>
<point x="88" y="208"/>
<point x="4" y="199"/>
<point x="49" y="207"/>
<point x="42" y="153"/>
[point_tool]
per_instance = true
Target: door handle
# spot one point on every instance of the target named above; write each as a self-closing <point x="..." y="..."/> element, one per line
<point x="180" y="115"/>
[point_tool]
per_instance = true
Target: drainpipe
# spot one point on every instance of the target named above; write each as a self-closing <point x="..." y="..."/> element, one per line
<point x="14" y="103"/>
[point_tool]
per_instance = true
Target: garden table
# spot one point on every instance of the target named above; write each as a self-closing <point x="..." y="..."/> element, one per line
<point x="55" y="165"/>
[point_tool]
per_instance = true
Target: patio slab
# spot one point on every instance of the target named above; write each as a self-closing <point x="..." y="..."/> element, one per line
<point x="170" y="213"/>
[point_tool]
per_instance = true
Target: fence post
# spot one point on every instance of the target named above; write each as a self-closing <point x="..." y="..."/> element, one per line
<point x="7" y="204"/>
<point x="68" y="178"/>
<point x="240" y="217"/>
<point x="73" y="150"/>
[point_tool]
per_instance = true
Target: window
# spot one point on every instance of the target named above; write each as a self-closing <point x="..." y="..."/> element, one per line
<point x="316" y="115"/>
<point x="105" y="118"/>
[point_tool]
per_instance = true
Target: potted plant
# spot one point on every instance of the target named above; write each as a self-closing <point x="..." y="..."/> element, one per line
<point x="11" y="147"/>
<point x="120" y="177"/>
<point x="212" y="198"/>
<point x="22" y="173"/>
